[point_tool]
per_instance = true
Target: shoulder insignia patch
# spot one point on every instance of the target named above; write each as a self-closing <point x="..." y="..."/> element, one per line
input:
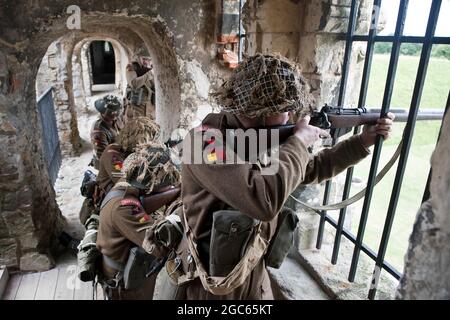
<point x="136" y="209"/>
<point x="117" y="163"/>
<point x="144" y="218"/>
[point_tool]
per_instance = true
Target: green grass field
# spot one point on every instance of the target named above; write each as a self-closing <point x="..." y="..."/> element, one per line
<point x="434" y="96"/>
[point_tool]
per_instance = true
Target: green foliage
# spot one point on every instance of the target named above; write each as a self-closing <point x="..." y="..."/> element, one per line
<point x="441" y="51"/>
<point x="382" y="48"/>
<point x="435" y="92"/>
<point x="410" y="49"/>
<point x="413" y="49"/>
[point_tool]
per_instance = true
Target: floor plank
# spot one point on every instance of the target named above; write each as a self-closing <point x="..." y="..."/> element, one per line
<point x="65" y="286"/>
<point x="100" y="295"/>
<point x="12" y="287"/>
<point x="47" y="285"/>
<point x="4" y="278"/>
<point x="28" y="286"/>
<point x="83" y="290"/>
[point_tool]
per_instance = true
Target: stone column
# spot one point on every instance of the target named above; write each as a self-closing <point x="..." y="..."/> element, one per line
<point x="427" y="262"/>
<point x="29" y="218"/>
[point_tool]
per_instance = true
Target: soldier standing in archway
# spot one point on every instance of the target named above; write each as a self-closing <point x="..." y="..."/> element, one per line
<point x="140" y="94"/>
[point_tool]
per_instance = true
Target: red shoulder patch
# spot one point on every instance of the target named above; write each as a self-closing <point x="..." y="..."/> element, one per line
<point x="130" y="202"/>
<point x="135" y="204"/>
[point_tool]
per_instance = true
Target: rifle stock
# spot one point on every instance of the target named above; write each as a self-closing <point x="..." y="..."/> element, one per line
<point x="154" y="201"/>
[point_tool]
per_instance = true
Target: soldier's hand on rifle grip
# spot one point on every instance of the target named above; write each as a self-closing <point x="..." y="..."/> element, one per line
<point x="383" y="128"/>
<point x="308" y="134"/>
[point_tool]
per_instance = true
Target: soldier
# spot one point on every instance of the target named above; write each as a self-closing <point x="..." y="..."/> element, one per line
<point x="125" y="221"/>
<point x="105" y="129"/>
<point x="261" y="92"/>
<point x="137" y="132"/>
<point x="140" y="90"/>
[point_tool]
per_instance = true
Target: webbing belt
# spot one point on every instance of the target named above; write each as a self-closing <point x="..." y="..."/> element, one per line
<point x="110" y="195"/>
<point x="359" y="195"/>
<point x="113" y="264"/>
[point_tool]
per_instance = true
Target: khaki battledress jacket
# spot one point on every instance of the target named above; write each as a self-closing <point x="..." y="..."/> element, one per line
<point x="110" y="167"/>
<point x="123" y="222"/>
<point x="207" y="188"/>
<point x="103" y="134"/>
<point x="109" y="172"/>
<point x="146" y="108"/>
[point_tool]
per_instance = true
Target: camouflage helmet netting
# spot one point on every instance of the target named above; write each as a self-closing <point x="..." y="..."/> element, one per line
<point x="152" y="167"/>
<point x="139" y="131"/>
<point x="112" y="102"/>
<point x="264" y="85"/>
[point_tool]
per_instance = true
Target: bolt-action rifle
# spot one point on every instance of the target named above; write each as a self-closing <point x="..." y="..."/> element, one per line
<point x="341" y="120"/>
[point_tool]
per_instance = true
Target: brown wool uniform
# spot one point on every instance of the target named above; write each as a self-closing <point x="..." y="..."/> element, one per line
<point x="103" y="134"/>
<point x="208" y="188"/>
<point x="146" y="108"/>
<point x="109" y="171"/>
<point x="122" y="226"/>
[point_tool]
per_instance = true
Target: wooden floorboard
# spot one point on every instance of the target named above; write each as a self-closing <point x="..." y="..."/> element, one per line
<point x="60" y="283"/>
<point x="4" y="278"/>
<point x="65" y="286"/>
<point x="47" y="285"/>
<point x="28" y="286"/>
<point x="100" y="295"/>
<point x="83" y="290"/>
<point x="12" y="287"/>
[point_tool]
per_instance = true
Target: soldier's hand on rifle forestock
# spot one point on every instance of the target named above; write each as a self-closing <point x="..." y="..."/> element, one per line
<point x="308" y="134"/>
<point x="383" y="128"/>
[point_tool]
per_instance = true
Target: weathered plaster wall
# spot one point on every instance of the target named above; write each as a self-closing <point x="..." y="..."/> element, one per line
<point x="185" y="68"/>
<point x="427" y="262"/>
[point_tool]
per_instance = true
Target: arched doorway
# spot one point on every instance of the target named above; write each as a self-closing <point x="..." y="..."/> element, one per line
<point x="34" y="187"/>
<point x="102" y="65"/>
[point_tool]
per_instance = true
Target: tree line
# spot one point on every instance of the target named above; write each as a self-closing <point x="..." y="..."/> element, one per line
<point x="414" y="49"/>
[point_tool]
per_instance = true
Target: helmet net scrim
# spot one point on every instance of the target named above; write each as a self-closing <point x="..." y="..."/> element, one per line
<point x="139" y="132"/>
<point x="152" y="168"/>
<point x="265" y="85"/>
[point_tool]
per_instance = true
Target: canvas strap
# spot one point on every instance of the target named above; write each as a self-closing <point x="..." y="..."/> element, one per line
<point x="224" y="285"/>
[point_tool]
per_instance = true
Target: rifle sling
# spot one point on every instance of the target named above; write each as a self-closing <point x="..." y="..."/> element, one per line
<point x="359" y="195"/>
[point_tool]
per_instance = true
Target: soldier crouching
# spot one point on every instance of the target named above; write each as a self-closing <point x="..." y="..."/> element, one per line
<point x="125" y="222"/>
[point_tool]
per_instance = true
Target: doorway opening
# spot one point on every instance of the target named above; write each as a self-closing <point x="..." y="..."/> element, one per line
<point x="102" y="64"/>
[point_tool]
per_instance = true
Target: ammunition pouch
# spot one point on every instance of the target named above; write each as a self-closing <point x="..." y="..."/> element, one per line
<point x="135" y="96"/>
<point x="231" y="232"/>
<point x="88" y="254"/>
<point x="172" y="284"/>
<point x="254" y="250"/>
<point x="169" y="231"/>
<point x="88" y="184"/>
<point x="283" y="238"/>
<point x="140" y="265"/>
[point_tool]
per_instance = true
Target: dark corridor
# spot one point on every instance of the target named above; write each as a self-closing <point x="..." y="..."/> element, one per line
<point x="103" y="62"/>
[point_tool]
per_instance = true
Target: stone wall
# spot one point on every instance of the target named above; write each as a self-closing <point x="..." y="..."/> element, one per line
<point x="185" y="68"/>
<point x="309" y="32"/>
<point x="427" y="263"/>
<point x="29" y="217"/>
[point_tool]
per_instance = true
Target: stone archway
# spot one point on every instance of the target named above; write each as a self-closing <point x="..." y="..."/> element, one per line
<point x="33" y="220"/>
<point x="185" y="67"/>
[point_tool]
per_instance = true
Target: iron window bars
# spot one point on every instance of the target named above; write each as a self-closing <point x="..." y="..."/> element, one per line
<point x="397" y="39"/>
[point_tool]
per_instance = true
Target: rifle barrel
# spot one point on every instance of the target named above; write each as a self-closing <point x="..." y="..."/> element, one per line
<point x="341" y="122"/>
<point x="401" y="115"/>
